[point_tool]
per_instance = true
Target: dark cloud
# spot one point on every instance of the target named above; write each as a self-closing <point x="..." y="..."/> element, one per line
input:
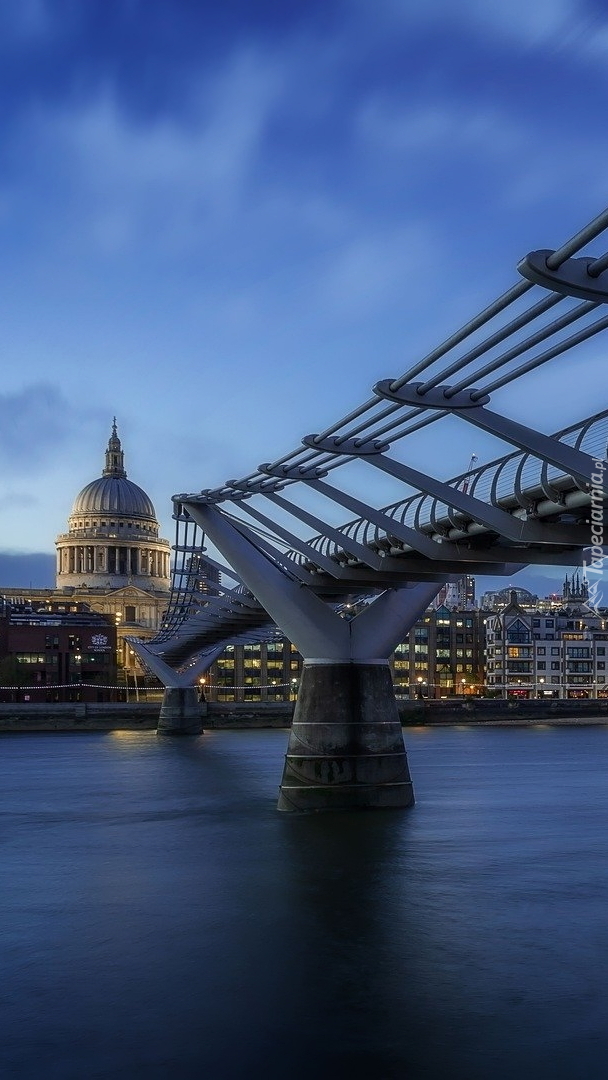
<point x="36" y="571"/>
<point x="61" y="50"/>
<point x="37" y="424"/>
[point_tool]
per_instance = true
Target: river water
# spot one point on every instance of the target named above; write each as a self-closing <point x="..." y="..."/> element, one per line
<point x="161" y="919"/>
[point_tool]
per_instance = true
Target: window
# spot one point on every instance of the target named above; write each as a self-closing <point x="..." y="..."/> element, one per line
<point x="555" y="665"/>
<point x="541" y="650"/>
<point x="541" y="665"/>
<point x="601" y="650"/>
<point x="554" y="651"/>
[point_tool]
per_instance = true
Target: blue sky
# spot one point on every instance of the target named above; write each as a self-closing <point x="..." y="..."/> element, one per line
<point x="222" y="223"/>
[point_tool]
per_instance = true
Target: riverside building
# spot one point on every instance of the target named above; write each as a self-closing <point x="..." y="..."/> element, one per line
<point x="442" y="657"/>
<point x="56" y="655"/>
<point x="534" y="653"/>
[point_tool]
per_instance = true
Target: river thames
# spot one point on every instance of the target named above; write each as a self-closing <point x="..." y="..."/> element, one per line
<point x="161" y="919"/>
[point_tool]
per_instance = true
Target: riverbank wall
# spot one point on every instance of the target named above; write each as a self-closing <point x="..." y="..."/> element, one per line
<point x="143" y="716"/>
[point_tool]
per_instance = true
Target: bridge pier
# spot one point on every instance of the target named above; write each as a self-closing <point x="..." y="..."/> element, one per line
<point x="181" y="712"/>
<point x="346" y="748"/>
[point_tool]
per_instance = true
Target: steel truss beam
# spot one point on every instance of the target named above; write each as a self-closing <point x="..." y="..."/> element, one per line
<point x="478" y="532"/>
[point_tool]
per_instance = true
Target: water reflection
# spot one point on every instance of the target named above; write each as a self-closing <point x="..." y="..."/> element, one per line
<point x="161" y="918"/>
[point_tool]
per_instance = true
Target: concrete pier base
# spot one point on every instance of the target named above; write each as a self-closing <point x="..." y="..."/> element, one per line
<point x="180" y="712"/>
<point x="346" y="748"/>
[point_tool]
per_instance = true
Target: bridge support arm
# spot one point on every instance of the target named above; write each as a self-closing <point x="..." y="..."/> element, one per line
<point x="181" y="712"/>
<point x="314" y="628"/>
<point x="346" y="746"/>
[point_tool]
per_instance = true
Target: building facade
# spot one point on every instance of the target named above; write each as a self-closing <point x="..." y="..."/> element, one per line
<point x="535" y="653"/>
<point x="442" y="657"/>
<point x="57" y="653"/>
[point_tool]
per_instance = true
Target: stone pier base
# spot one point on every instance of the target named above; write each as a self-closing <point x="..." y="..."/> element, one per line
<point x="346" y="748"/>
<point x="180" y="712"/>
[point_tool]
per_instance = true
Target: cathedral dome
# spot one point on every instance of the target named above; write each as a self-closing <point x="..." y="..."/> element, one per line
<point x="112" y="493"/>
<point x="112" y="540"/>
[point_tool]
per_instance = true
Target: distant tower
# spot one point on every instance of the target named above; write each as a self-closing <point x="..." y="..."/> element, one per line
<point x="456" y="594"/>
<point x="575" y="591"/>
<point x="112" y="537"/>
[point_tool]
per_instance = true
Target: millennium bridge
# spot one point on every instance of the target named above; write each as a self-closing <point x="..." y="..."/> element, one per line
<point x="283" y="566"/>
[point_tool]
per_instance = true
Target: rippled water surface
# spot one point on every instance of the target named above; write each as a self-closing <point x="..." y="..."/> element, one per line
<point x="161" y="919"/>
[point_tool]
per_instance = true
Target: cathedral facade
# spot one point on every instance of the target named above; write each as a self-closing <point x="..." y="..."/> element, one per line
<point x="112" y="537"/>
<point x="111" y="558"/>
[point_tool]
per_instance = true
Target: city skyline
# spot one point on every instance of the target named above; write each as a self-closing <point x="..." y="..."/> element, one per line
<point x="224" y="226"/>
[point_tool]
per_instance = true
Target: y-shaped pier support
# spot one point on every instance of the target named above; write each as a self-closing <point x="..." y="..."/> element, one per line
<point x="346" y="746"/>
<point x="180" y="712"/>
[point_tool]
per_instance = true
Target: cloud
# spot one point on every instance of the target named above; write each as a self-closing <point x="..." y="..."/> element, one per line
<point x="38" y="422"/>
<point x="401" y="127"/>
<point x="125" y="181"/>
<point x="519" y="22"/>
<point x="19" y="570"/>
<point x="373" y="269"/>
<point x="27" y="20"/>
<point x="12" y="499"/>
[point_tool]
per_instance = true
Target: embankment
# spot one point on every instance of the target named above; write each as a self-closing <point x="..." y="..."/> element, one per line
<point x="143" y="716"/>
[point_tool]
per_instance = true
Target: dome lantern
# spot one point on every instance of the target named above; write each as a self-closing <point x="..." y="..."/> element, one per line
<point x="115" y="458"/>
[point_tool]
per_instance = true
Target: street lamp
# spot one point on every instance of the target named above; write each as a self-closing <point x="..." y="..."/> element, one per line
<point x="463" y="683"/>
<point x="131" y="655"/>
